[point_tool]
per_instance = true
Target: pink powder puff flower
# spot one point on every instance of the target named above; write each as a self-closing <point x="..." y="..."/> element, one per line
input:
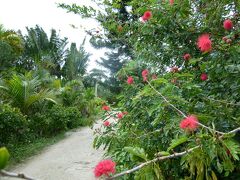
<point x="189" y="123"/>
<point x="186" y="57"/>
<point x="144" y="72"/>
<point x="147" y="15"/>
<point x="120" y="115"/>
<point x="105" y="167"/>
<point x="171" y="2"/>
<point x="204" y="77"/>
<point x="106" y="123"/>
<point x="106" y="108"/>
<point x="204" y="43"/>
<point x="130" y="80"/>
<point x="227" y="24"/>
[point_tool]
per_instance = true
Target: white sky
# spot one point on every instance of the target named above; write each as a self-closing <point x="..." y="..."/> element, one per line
<point x="17" y="14"/>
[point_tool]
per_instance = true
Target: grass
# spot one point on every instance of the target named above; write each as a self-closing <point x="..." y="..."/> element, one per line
<point x="20" y="152"/>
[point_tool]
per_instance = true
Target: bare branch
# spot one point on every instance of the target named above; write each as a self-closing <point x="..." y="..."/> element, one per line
<point x="15" y="175"/>
<point x="152" y="161"/>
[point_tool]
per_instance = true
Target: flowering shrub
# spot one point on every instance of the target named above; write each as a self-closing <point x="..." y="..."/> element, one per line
<point x="157" y="123"/>
<point x="150" y="133"/>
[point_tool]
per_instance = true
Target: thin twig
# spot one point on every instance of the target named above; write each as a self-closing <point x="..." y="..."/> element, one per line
<point x="152" y="161"/>
<point x="165" y="99"/>
<point x="15" y="175"/>
<point x="178" y="110"/>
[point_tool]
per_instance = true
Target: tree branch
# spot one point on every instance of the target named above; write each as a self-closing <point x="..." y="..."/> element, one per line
<point x="152" y="161"/>
<point x="16" y="175"/>
<point x="179" y="111"/>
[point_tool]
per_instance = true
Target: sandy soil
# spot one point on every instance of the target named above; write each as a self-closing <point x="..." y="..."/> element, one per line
<point x="70" y="159"/>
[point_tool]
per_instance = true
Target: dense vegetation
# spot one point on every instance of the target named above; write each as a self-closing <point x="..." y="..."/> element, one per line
<point x="42" y="91"/>
<point x="171" y="80"/>
<point x="180" y="88"/>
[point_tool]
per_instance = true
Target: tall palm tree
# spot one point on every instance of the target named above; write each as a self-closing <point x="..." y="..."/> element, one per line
<point x="24" y="90"/>
<point x="43" y="52"/>
<point x="76" y="62"/>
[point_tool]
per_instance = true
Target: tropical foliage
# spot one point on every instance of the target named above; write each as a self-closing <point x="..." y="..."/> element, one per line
<point x="181" y="90"/>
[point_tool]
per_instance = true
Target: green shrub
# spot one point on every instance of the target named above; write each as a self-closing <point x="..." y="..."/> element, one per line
<point x="55" y="120"/>
<point x="39" y="124"/>
<point x="13" y="125"/>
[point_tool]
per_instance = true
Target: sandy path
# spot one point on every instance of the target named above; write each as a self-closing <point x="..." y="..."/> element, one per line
<point x="70" y="159"/>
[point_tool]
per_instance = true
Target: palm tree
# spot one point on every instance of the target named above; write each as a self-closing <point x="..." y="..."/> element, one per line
<point x="76" y="62"/>
<point x="23" y="91"/>
<point x="43" y="52"/>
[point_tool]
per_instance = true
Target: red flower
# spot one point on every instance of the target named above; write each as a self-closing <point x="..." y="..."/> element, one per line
<point x="106" y="123"/>
<point x="204" y="77"/>
<point x="204" y="43"/>
<point x="144" y="72"/>
<point x="186" y="57"/>
<point x="130" y="80"/>
<point x="147" y="15"/>
<point x="174" y="69"/>
<point x="227" y="24"/>
<point x="105" y="167"/>
<point x="189" y="123"/>
<point x="171" y="2"/>
<point x="120" y="115"/>
<point x="154" y="76"/>
<point x="106" y="108"/>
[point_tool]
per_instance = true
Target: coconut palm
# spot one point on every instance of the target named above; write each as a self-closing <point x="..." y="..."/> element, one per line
<point x="23" y="91"/>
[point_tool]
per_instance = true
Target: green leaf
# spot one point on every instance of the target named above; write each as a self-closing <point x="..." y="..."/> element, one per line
<point x="4" y="157"/>
<point x="177" y="142"/>
<point x="233" y="147"/>
<point x="136" y="151"/>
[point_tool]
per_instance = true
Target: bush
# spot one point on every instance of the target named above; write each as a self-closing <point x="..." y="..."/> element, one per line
<point x="13" y="125"/>
<point x="55" y="120"/>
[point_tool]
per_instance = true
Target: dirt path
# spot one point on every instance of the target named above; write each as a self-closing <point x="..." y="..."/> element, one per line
<point x="70" y="159"/>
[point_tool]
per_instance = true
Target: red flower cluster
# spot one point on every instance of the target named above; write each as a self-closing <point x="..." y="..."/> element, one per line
<point x="227" y="24"/>
<point x="130" y="80"/>
<point x="189" y="123"/>
<point x="106" y="108"/>
<point x="204" y="43"/>
<point x="147" y="15"/>
<point x="106" y="123"/>
<point x="145" y="74"/>
<point x="120" y="115"/>
<point x="171" y="2"/>
<point x="204" y="77"/>
<point x="105" y="167"/>
<point x="187" y="57"/>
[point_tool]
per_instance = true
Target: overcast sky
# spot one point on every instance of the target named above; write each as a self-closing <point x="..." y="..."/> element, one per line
<point x="17" y="14"/>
